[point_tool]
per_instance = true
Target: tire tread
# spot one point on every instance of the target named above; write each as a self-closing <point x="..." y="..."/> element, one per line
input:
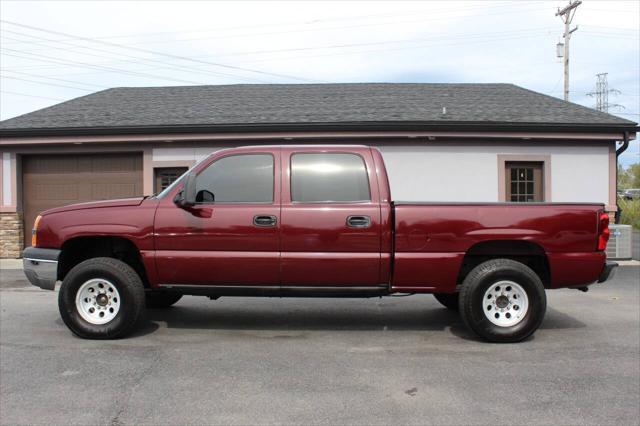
<point x="472" y="280"/>
<point x="135" y="289"/>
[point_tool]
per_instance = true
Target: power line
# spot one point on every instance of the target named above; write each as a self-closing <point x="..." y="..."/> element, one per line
<point x="50" y="59"/>
<point x="609" y="35"/>
<point x="417" y="40"/>
<point x="619" y="29"/>
<point x="236" y="36"/>
<point x="152" y="52"/>
<point x="46" y="84"/>
<point x="431" y="43"/>
<point x="345" y="45"/>
<point x="138" y="59"/>
<point x="488" y="37"/>
<point x="58" y="79"/>
<point x="6" y="92"/>
<point x="379" y="50"/>
<point x="500" y="7"/>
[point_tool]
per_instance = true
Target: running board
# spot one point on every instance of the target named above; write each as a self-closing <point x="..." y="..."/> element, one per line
<point x="276" y="291"/>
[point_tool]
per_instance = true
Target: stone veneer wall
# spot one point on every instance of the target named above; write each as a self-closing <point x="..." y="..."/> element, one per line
<point x="11" y="235"/>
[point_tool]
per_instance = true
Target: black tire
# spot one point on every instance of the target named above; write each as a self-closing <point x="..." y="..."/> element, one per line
<point x="122" y="277"/>
<point x="448" y="300"/>
<point x="472" y="303"/>
<point x="159" y="300"/>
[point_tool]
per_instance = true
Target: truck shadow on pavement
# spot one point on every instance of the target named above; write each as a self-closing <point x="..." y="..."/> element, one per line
<point x="324" y="319"/>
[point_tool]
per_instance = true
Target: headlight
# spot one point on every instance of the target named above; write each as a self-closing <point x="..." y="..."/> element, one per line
<point x="34" y="231"/>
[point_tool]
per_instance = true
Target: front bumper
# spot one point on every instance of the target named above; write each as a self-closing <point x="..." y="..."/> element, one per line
<point x="608" y="272"/>
<point x="41" y="266"/>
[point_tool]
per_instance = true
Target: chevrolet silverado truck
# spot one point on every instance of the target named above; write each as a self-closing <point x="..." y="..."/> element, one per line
<point x="311" y="221"/>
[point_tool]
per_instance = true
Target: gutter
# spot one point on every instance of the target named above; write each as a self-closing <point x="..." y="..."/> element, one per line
<point x="623" y="148"/>
<point x="316" y="126"/>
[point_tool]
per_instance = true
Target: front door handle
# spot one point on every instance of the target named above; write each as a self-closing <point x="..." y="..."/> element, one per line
<point x="358" y="221"/>
<point x="265" y="221"/>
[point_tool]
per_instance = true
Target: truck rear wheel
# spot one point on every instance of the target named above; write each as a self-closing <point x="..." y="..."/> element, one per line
<point x="101" y="298"/>
<point x="448" y="300"/>
<point x="503" y="301"/>
<point x="159" y="300"/>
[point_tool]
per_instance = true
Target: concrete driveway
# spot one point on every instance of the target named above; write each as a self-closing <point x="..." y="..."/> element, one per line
<point x="397" y="360"/>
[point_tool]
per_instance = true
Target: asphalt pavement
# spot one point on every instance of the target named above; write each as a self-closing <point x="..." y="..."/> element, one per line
<point x="395" y="360"/>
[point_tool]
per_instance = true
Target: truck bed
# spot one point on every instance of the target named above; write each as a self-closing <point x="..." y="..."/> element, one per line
<point x="432" y="239"/>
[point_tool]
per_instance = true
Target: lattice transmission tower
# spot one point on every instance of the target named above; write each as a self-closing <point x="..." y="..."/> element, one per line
<point x="602" y="93"/>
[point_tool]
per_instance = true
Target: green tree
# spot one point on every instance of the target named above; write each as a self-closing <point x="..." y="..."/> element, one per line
<point x="624" y="178"/>
<point x="634" y="175"/>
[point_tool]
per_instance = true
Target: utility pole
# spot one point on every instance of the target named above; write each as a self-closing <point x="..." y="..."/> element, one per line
<point x="602" y="93"/>
<point x="567" y="15"/>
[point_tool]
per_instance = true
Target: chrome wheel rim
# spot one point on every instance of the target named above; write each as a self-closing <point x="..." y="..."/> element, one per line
<point x="98" y="301"/>
<point x="505" y="303"/>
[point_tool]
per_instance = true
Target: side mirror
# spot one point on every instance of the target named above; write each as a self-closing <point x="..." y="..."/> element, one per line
<point x="186" y="197"/>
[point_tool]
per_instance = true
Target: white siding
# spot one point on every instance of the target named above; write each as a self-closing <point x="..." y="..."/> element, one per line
<point x="440" y="172"/>
<point x="580" y="174"/>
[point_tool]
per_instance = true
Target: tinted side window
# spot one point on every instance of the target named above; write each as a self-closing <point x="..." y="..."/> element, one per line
<point x="328" y="177"/>
<point x="237" y="179"/>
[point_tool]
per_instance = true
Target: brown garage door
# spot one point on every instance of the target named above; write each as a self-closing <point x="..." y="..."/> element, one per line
<point x="56" y="180"/>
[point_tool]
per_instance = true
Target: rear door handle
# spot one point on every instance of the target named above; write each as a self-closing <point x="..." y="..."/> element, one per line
<point x="265" y="221"/>
<point x="358" y="221"/>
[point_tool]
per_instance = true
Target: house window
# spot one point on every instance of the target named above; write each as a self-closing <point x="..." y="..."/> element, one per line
<point x="166" y="176"/>
<point x="524" y="181"/>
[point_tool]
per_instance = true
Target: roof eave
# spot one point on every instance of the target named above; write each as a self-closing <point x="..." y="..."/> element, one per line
<point x="343" y="126"/>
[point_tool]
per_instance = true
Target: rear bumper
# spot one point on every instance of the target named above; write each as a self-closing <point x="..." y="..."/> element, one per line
<point x="608" y="272"/>
<point x="576" y="269"/>
<point x="41" y="266"/>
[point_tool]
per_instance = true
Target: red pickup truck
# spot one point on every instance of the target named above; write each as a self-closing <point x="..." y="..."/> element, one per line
<point x="311" y="221"/>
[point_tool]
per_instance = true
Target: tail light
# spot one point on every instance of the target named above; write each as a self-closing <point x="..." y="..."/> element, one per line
<point x="603" y="231"/>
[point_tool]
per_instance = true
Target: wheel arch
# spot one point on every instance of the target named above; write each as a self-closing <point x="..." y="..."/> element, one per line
<point x="79" y="249"/>
<point x="528" y="253"/>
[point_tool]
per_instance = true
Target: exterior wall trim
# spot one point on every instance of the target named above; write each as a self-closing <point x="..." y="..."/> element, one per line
<point x="147" y="171"/>
<point x="164" y="137"/>
<point x="8" y="182"/>
<point x="173" y="163"/>
<point x="546" y="173"/>
<point x="613" y="184"/>
<point x="1" y="181"/>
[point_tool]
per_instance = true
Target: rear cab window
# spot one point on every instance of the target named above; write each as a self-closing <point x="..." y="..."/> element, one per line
<point x="329" y="177"/>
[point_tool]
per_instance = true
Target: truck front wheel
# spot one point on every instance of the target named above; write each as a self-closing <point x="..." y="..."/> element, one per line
<point x="101" y="298"/>
<point x="502" y="301"/>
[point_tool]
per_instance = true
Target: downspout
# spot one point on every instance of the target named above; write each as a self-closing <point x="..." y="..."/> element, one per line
<point x="623" y="148"/>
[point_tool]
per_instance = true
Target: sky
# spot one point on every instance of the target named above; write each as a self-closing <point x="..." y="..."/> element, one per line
<point x="53" y="51"/>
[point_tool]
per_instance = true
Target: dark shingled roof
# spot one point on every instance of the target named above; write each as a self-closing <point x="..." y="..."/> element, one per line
<point x="285" y="106"/>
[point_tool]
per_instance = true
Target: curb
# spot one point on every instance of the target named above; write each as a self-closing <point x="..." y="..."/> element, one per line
<point x="10" y="263"/>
